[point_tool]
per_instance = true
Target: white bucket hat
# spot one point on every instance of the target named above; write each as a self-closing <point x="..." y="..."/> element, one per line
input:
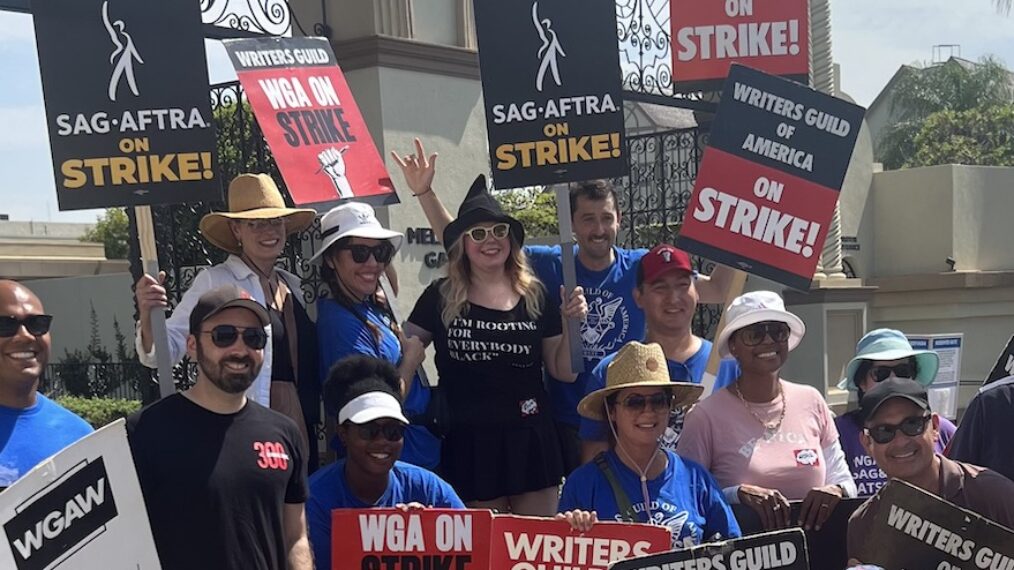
<point x="353" y="219"/>
<point x="371" y="406"/>
<point x="758" y="307"/>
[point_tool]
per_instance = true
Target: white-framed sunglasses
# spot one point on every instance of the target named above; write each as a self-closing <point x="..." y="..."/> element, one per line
<point x="480" y="234"/>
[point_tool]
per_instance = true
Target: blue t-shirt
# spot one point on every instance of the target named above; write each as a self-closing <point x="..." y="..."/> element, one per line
<point x="690" y="371"/>
<point x="340" y="334"/>
<point x="685" y="498"/>
<point x="613" y="317"/>
<point x="405" y="484"/>
<point x="33" y="434"/>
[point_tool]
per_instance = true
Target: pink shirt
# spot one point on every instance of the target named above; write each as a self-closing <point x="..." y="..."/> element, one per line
<point x="722" y="435"/>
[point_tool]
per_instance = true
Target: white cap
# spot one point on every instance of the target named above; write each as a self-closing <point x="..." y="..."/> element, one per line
<point x="353" y="219"/>
<point x="371" y="406"/>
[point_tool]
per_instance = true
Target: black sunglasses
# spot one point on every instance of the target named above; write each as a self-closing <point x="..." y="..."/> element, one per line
<point x="369" y="431"/>
<point x="881" y="373"/>
<point x="36" y="325"/>
<point x="382" y="252"/>
<point x="657" y="401"/>
<point x="910" y="426"/>
<point x="479" y="234"/>
<point x="225" y="336"/>
<point x="754" y="334"/>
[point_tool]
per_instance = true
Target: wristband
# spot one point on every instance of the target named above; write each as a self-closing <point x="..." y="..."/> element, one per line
<point x="425" y="192"/>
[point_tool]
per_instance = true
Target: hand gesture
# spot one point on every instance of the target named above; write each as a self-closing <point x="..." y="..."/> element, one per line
<point x="573" y="306"/>
<point x="412" y="350"/>
<point x="150" y="293"/>
<point x="818" y="506"/>
<point x="417" y="168"/>
<point x="333" y="164"/>
<point x="770" y="504"/>
<point x="581" y="521"/>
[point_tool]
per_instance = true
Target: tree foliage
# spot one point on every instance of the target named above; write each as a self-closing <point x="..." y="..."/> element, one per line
<point x="977" y="136"/>
<point x="949" y="87"/>
<point x="112" y="231"/>
<point x="534" y="207"/>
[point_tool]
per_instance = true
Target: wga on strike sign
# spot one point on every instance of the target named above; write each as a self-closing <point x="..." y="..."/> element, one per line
<point x="310" y="120"/>
<point x="708" y="36"/>
<point x="770" y="178"/>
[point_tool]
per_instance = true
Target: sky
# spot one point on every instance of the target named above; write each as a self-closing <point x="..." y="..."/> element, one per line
<point x="871" y="39"/>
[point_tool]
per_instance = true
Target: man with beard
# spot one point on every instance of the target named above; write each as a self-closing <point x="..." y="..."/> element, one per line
<point x="223" y="477"/>
<point x="32" y="427"/>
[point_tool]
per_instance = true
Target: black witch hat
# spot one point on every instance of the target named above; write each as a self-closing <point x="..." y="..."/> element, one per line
<point x="479" y="206"/>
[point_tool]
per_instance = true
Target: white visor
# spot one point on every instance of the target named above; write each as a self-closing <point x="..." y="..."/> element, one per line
<point x="371" y="406"/>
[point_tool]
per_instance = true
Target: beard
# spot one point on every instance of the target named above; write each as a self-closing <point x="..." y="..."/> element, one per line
<point x="228" y="381"/>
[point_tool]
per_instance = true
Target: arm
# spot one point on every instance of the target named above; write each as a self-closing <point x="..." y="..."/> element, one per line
<point x="297" y="545"/>
<point x="177" y="324"/>
<point x="419" y="171"/>
<point x="714" y="288"/>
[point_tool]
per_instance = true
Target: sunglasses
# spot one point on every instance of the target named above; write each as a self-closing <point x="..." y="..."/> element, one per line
<point x="382" y="252"/>
<point x="881" y="373"/>
<point x="36" y="325"/>
<point x="259" y="226"/>
<point x="910" y="426"/>
<point x="657" y="401"/>
<point x="225" y="336"/>
<point x="480" y="234"/>
<point x="369" y="431"/>
<point x="754" y="334"/>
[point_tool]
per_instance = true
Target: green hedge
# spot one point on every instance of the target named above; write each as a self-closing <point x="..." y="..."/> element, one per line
<point x="99" y="411"/>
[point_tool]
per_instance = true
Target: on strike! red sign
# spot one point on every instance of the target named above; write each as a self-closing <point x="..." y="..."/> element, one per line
<point x="708" y="36"/>
<point x="310" y="120"/>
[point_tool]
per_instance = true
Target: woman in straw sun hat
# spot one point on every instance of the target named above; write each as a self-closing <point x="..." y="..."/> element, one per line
<point x="354" y="319"/>
<point x="636" y="480"/>
<point x="768" y="441"/>
<point x="882" y="354"/>
<point x="253" y="232"/>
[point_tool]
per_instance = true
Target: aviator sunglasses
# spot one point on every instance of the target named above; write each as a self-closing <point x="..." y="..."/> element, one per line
<point x="754" y="334"/>
<point x="36" y="325"/>
<point x="369" y="431"/>
<point x="382" y="252"/>
<point x="881" y="373"/>
<point x="499" y="231"/>
<point x="224" y="336"/>
<point x="910" y="426"/>
<point x="657" y="401"/>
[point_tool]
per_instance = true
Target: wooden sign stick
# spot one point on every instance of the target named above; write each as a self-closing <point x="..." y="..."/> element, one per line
<point x="159" y="333"/>
<point x="569" y="273"/>
<point x="714" y="361"/>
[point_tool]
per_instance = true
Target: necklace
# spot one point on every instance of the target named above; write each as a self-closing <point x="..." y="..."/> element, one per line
<point x="769" y="429"/>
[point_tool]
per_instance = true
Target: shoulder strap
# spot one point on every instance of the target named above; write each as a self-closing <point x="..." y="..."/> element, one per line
<point x="622" y="500"/>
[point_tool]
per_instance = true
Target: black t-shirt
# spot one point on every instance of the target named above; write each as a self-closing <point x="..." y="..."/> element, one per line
<point x="983" y="438"/>
<point x="215" y="484"/>
<point x="490" y="361"/>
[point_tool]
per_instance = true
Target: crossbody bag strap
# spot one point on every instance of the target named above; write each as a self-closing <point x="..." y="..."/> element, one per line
<point x="622" y="500"/>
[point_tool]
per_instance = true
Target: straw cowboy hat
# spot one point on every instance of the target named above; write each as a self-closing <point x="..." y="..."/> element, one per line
<point x="252" y="197"/>
<point x="886" y="345"/>
<point x="758" y="307"/>
<point x="637" y="365"/>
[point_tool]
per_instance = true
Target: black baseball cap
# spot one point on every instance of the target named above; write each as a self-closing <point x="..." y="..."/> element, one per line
<point x="221" y="298"/>
<point x="893" y="387"/>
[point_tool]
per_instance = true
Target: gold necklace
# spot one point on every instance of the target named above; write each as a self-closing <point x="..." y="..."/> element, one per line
<point x="769" y="429"/>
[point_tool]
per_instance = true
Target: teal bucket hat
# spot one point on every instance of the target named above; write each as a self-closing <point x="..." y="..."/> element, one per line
<point x="890" y="344"/>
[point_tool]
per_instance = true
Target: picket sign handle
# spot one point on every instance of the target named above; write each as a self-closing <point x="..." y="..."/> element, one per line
<point x="569" y="274"/>
<point x="736" y="286"/>
<point x="159" y="333"/>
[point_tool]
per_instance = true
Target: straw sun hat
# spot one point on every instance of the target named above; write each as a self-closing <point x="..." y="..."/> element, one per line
<point x="252" y="197"/>
<point x="637" y="366"/>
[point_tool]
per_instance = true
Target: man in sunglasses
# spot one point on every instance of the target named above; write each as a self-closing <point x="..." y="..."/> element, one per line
<point x="222" y="476"/>
<point x="32" y="427"/>
<point x="666" y="293"/>
<point x="899" y="431"/>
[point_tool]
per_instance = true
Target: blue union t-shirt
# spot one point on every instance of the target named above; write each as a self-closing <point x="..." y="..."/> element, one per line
<point x="613" y="317"/>
<point x="685" y="498"/>
<point x="33" y="434"/>
<point x="690" y="371"/>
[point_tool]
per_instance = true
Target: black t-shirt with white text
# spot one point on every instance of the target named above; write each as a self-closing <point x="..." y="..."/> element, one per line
<point x="490" y="361"/>
<point x="215" y="484"/>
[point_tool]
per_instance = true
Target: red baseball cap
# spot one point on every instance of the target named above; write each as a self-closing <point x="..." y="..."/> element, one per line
<point x="662" y="259"/>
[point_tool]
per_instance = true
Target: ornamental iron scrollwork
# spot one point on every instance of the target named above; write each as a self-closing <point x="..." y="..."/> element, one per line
<point x="267" y="17"/>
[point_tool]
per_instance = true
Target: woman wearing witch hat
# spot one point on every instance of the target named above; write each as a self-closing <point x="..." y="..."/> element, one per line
<point x="253" y="231"/>
<point x="494" y="332"/>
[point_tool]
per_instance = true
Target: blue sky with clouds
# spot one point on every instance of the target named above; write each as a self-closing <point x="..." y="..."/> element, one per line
<point x="871" y="38"/>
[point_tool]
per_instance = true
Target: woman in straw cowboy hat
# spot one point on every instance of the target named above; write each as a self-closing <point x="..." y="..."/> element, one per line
<point x="636" y="480"/>
<point x="768" y="441"/>
<point x="882" y="354"/>
<point x="253" y="231"/>
<point x="354" y="319"/>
